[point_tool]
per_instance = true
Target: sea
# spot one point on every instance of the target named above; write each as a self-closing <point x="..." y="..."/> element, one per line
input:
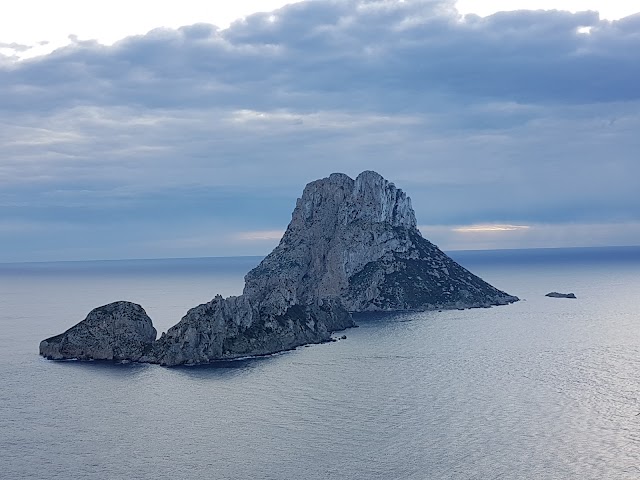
<point x="546" y="388"/>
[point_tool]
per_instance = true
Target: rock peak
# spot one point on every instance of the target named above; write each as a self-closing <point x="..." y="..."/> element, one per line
<point x="117" y="331"/>
<point x="339" y="200"/>
<point x="380" y="201"/>
<point x="370" y="176"/>
<point x="357" y="240"/>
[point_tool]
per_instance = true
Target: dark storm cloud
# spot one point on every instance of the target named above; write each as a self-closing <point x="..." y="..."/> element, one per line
<point x="517" y="117"/>
<point x="352" y="52"/>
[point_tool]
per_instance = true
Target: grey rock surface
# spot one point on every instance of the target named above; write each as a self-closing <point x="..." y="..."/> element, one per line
<point x="351" y="246"/>
<point x="358" y="240"/>
<point x="117" y="331"/>
<point x="560" y="295"/>
<point x="237" y="327"/>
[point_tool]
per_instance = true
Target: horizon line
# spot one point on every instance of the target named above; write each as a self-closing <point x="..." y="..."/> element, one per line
<point x="447" y="251"/>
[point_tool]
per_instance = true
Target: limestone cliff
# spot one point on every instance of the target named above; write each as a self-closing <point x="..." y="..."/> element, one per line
<point x="357" y="240"/>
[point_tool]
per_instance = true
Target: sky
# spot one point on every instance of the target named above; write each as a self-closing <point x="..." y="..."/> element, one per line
<point x="139" y="130"/>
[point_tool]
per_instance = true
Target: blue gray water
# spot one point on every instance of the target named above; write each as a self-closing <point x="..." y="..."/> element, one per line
<point x="542" y="389"/>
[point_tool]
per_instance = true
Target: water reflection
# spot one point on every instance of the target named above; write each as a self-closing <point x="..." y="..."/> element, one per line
<point x="222" y="367"/>
<point x="103" y="367"/>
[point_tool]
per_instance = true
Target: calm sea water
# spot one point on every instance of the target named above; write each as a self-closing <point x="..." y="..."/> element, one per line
<point x="543" y="389"/>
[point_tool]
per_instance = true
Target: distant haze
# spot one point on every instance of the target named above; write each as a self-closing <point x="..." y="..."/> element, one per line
<point x="518" y="129"/>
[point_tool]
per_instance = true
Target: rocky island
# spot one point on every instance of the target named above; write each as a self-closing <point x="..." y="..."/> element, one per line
<point x="351" y="246"/>
<point x="560" y="295"/>
<point x="118" y="331"/>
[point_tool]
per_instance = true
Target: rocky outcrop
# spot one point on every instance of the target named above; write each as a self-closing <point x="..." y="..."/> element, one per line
<point x="237" y="327"/>
<point x="351" y="246"/>
<point x="358" y="240"/>
<point x="117" y="331"/>
<point x="560" y="295"/>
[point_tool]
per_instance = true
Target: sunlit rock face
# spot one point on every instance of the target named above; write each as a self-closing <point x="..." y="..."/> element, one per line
<point x="357" y="240"/>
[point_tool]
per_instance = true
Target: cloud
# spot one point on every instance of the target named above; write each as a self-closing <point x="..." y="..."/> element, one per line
<point x="260" y="235"/>
<point x="347" y="53"/>
<point x="489" y="228"/>
<point x="14" y="47"/>
<point x="512" y="119"/>
<point x="468" y="237"/>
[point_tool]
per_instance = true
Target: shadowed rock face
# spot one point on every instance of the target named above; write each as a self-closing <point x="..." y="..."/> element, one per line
<point x="352" y="245"/>
<point x="236" y="327"/>
<point x="117" y="331"/>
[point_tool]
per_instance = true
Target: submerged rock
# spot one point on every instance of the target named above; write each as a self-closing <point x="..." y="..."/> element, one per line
<point x="560" y="295"/>
<point x="117" y="331"/>
<point x="351" y="246"/>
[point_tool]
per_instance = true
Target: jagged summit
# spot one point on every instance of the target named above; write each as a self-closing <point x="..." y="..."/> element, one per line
<point x="351" y="246"/>
<point x="312" y="260"/>
<point x="369" y="198"/>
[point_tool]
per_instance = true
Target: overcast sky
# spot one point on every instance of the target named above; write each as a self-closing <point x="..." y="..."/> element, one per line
<point x="517" y="129"/>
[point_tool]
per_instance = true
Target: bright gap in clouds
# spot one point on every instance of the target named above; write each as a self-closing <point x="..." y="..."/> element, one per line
<point x="501" y="236"/>
<point x="30" y="22"/>
<point x="44" y="25"/>
<point x="489" y="228"/>
<point x="610" y="10"/>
